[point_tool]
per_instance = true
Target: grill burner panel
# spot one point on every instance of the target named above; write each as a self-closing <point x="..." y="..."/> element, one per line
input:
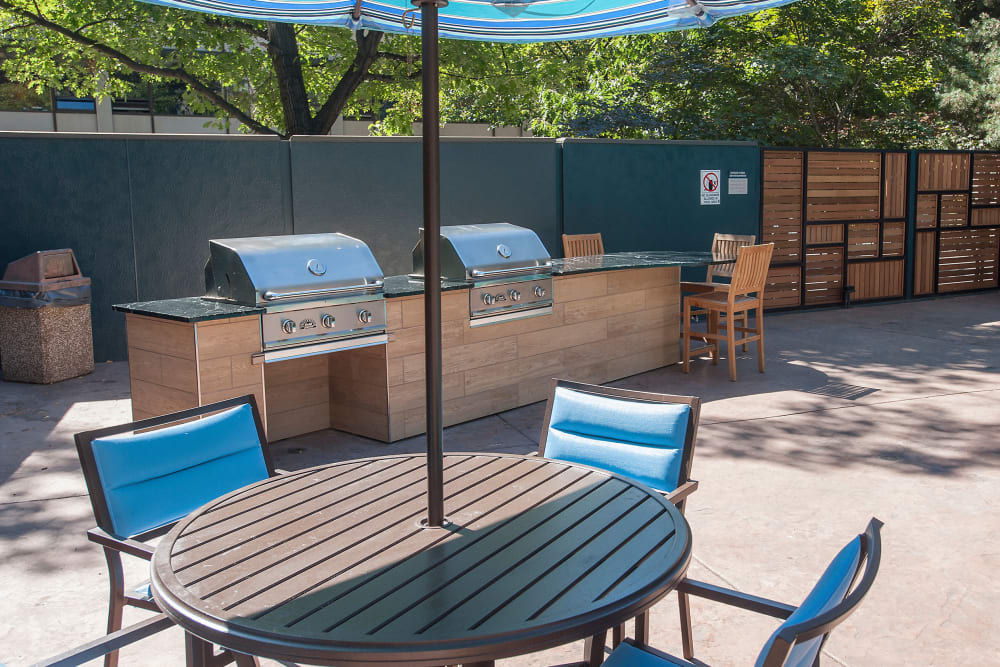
<point x="502" y="301"/>
<point x="320" y="292"/>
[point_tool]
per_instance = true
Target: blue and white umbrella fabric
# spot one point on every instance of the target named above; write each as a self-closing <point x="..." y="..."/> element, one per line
<point x="492" y="21"/>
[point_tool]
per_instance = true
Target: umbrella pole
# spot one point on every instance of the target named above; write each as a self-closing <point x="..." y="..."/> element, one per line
<point x="432" y="259"/>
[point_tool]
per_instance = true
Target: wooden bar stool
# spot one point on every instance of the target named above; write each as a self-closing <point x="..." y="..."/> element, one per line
<point x="724" y="246"/>
<point x="745" y="293"/>
<point x="582" y="245"/>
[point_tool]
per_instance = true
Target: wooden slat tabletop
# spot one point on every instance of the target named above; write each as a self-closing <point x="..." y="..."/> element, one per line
<point x="330" y="565"/>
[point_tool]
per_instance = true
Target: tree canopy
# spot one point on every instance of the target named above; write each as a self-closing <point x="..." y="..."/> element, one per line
<point x="884" y="73"/>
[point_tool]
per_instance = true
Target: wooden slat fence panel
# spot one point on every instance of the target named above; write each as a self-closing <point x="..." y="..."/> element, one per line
<point x="923" y="263"/>
<point x="982" y="217"/>
<point x="876" y="280"/>
<point x="927" y="216"/>
<point x="954" y="210"/>
<point x="862" y="240"/>
<point x="782" y="205"/>
<point x="894" y="194"/>
<point x="784" y="287"/>
<point x="943" y="171"/>
<point x="986" y="179"/>
<point x="817" y="234"/>
<point x="967" y="259"/>
<point x="894" y="239"/>
<point x="843" y="186"/>
<point x="824" y="279"/>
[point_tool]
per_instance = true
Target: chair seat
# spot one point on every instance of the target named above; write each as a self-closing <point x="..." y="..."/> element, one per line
<point x="144" y="591"/>
<point x="704" y="287"/>
<point x="627" y="655"/>
<point x="720" y="299"/>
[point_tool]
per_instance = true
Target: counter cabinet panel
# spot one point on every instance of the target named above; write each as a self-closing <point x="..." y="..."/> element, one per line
<point x="604" y="326"/>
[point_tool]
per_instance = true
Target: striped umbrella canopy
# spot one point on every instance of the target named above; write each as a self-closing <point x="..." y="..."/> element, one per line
<point x="483" y="20"/>
<point x="492" y="20"/>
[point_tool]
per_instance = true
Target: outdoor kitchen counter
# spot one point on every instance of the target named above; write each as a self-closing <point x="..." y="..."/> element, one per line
<point x="612" y="316"/>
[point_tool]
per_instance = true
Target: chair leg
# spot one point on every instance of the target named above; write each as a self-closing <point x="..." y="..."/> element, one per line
<point x="743" y="323"/>
<point x="642" y="628"/>
<point x="687" y="637"/>
<point x="686" y="339"/>
<point x="244" y="660"/>
<point x="760" y="341"/>
<point x="617" y="635"/>
<point x="593" y="649"/>
<point x="713" y="327"/>
<point x="198" y="652"/>
<point x="731" y="344"/>
<point x="116" y="599"/>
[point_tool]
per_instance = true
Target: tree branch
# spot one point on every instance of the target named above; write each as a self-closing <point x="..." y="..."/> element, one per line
<point x="399" y="57"/>
<point x="248" y="28"/>
<point x="388" y="78"/>
<point x="178" y="73"/>
<point x="368" y="41"/>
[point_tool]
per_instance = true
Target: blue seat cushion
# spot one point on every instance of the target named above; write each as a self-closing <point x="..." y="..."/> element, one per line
<point x="829" y="591"/>
<point x="642" y="440"/>
<point x="154" y="478"/>
<point x="627" y="655"/>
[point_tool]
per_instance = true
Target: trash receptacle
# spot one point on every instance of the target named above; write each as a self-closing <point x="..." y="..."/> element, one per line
<point x="45" y="331"/>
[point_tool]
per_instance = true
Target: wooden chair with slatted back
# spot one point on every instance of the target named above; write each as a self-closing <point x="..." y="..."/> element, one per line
<point x="582" y="245"/>
<point x="724" y="246"/>
<point x="745" y="293"/>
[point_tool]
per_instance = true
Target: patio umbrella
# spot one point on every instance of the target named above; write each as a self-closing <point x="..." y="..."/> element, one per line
<point x="484" y="20"/>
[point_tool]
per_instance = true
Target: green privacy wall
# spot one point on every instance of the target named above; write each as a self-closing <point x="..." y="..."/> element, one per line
<point x="647" y="195"/>
<point x="139" y="209"/>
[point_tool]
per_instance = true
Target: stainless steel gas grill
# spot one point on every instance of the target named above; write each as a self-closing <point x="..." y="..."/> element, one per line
<point x="509" y="268"/>
<point x="320" y="292"/>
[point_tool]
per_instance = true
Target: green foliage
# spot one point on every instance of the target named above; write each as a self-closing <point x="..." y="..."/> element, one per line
<point x="971" y="100"/>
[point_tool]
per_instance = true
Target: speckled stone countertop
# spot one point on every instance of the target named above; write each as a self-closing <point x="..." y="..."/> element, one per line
<point x="188" y="309"/>
<point x="198" y="309"/>
<point x="631" y="260"/>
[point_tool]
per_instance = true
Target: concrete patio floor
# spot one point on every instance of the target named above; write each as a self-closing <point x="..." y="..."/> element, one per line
<point x="890" y="411"/>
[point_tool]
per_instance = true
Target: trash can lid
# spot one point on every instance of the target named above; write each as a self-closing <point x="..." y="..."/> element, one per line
<point x="44" y="270"/>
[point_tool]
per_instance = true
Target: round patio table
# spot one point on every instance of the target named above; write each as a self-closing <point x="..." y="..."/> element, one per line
<point x="331" y="566"/>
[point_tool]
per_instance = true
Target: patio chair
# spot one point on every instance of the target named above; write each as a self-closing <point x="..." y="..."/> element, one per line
<point x="745" y="293"/>
<point x="644" y="436"/>
<point x="798" y="641"/>
<point x="582" y="245"/>
<point x="724" y="246"/>
<point x="144" y="476"/>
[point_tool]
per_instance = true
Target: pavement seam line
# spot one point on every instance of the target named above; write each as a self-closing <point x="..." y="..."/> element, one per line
<point x="41" y="500"/>
<point x="849" y="407"/>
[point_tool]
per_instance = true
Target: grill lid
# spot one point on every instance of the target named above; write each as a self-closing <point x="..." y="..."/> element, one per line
<point x="484" y="252"/>
<point x="267" y="270"/>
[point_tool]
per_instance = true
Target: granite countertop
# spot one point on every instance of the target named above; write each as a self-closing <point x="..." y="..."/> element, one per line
<point x="198" y="309"/>
<point x="188" y="309"/>
<point x="631" y="260"/>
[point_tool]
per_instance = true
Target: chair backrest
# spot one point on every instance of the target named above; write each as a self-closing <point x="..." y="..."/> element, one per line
<point x="582" y="245"/>
<point x="725" y="246"/>
<point x="750" y="273"/>
<point x="141" y="480"/>
<point x="798" y="641"/>
<point x="644" y="436"/>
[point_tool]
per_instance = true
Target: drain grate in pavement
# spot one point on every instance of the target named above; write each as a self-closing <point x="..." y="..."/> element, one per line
<point x="842" y="390"/>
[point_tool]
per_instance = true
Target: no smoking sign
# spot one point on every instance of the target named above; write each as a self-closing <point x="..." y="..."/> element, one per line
<point x="711" y="188"/>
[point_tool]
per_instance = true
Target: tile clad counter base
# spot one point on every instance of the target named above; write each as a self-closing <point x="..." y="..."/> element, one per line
<point x="604" y="326"/>
<point x="613" y="316"/>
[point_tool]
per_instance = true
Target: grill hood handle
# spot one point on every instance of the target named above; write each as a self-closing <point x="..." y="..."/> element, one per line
<point x="477" y="273"/>
<point x="275" y="296"/>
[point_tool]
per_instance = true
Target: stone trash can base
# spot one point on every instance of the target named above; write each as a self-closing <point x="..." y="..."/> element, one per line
<point x="45" y="345"/>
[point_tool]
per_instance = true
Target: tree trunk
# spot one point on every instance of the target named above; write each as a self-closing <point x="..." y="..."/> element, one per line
<point x="283" y="48"/>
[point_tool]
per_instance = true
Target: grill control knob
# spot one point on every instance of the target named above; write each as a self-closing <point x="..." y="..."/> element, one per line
<point x="489" y="299"/>
<point x="364" y="316"/>
<point x="327" y="321"/>
<point x="514" y="295"/>
<point x="288" y="326"/>
<point x="539" y="291"/>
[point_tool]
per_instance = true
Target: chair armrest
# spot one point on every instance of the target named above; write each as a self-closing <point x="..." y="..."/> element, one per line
<point x="682" y="491"/>
<point x="127" y="546"/>
<point x="108" y="643"/>
<point x="280" y="471"/>
<point x="733" y="598"/>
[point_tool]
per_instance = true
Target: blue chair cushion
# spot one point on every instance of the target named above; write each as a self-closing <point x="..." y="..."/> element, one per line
<point x="154" y="478"/>
<point x="627" y="655"/>
<point x="830" y="590"/>
<point x="641" y="440"/>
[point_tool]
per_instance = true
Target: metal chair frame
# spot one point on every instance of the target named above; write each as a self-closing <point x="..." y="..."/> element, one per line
<point x="593" y="651"/>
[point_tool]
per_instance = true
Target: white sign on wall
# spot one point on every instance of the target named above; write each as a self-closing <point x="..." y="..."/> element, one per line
<point x="738" y="183"/>
<point x="711" y="186"/>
